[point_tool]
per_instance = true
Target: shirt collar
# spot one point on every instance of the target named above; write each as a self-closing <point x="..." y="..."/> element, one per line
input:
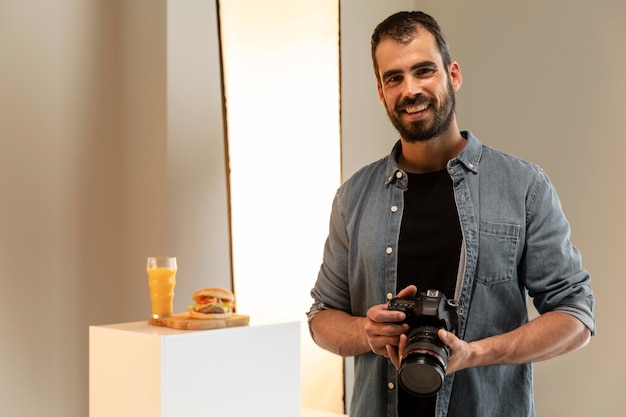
<point x="393" y="171"/>
<point x="469" y="158"/>
<point x="470" y="155"/>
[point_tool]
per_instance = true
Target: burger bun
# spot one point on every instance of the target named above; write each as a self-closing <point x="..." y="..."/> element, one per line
<point x="217" y="292"/>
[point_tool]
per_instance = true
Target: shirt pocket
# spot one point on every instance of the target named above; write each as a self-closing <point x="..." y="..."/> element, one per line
<point x="496" y="253"/>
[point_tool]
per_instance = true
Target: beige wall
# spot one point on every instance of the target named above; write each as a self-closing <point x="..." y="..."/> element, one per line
<point x="84" y="185"/>
<point x="83" y="153"/>
<point x="198" y="227"/>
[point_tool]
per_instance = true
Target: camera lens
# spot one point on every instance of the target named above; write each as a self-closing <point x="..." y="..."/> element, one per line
<point x="423" y="366"/>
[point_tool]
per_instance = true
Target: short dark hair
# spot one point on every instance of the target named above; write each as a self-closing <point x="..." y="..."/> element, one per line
<point x="402" y="27"/>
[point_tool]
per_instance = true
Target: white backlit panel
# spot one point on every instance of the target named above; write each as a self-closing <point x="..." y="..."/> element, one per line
<point x="281" y="72"/>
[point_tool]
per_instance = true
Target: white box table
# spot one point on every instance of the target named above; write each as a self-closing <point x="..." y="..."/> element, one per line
<point x="136" y="369"/>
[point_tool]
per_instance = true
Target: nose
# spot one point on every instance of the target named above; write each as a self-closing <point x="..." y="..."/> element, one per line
<point x="411" y="88"/>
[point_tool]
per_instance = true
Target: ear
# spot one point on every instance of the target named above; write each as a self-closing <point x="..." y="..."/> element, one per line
<point x="456" y="78"/>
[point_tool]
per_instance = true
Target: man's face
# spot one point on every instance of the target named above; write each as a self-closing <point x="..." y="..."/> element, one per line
<point x="415" y="88"/>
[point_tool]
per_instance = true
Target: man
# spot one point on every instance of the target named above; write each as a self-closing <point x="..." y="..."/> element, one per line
<point x="445" y="212"/>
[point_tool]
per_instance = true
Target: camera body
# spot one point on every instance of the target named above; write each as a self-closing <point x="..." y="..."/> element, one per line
<point x="425" y="357"/>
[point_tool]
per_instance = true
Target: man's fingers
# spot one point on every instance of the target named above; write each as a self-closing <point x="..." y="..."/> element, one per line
<point x="408" y="291"/>
<point x="392" y="354"/>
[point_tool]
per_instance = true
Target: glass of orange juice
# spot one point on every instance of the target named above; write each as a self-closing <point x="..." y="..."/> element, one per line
<point x="161" y="279"/>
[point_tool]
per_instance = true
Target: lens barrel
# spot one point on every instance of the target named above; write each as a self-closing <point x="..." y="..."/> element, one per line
<point x="424" y="361"/>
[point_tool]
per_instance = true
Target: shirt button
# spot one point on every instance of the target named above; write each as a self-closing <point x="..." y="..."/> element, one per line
<point x="389" y="250"/>
<point x="394" y="209"/>
<point x="471" y="166"/>
<point x="390" y="385"/>
<point x="398" y="174"/>
<point x="389" y="296"/>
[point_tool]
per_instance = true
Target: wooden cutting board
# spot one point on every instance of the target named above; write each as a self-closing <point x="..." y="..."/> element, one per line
<point x="182" y="321"/>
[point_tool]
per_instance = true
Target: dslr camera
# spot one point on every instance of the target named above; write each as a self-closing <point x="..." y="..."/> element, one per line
<point x="425" y="357"/>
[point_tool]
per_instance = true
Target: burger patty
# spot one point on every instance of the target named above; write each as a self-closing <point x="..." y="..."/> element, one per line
<point x="211" y="309"/>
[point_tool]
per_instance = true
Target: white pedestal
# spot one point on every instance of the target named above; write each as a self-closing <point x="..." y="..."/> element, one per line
<point x="136" y="369"/>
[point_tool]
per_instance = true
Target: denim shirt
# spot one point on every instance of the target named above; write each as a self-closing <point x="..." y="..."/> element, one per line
<point x="516" y="243"/>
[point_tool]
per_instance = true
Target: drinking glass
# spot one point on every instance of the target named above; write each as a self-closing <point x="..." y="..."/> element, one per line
<point x="161" y="279"/>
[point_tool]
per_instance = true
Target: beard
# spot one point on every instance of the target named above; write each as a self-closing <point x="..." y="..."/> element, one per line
<point x="425" y="129"/>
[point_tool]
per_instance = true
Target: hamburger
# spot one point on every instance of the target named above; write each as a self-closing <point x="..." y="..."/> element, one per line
<point x="212" y="303"/>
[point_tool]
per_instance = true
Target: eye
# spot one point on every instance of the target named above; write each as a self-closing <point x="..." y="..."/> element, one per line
<point x="424" y="72"/>
<point x="393" y="79"/>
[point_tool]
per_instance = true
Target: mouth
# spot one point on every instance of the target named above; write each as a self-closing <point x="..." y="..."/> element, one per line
<point x="416" y="108"/>
<point x="414" y="112"/>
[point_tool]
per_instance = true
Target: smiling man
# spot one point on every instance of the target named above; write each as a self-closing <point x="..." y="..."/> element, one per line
<point x="445" y="216"/>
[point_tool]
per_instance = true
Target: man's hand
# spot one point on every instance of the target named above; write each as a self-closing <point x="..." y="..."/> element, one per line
<point x="382" y="328"/>
<point x="549" y="335"/>
<point x="460" y="351"/>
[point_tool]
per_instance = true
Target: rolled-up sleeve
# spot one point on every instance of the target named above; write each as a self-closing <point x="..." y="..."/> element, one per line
<point x="331" y="288"/>
<point x="553" y="270"/>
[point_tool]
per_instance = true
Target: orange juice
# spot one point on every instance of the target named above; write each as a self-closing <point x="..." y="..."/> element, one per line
<point x="161" y="282"/>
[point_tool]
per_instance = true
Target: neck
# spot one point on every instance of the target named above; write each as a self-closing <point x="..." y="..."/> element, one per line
<point x="433" y="154"/>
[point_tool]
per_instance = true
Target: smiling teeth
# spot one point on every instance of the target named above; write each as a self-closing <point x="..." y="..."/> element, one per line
<point x="415" y="109"/>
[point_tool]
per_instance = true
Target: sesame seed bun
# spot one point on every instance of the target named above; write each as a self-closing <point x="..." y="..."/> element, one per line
<point x="217" y="292"/>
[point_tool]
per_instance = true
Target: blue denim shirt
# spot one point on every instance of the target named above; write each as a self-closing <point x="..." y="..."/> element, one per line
<point x="516" y="243"/>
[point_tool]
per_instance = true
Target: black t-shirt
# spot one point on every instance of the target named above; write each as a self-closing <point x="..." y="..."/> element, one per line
<point x="430" y="234"/>
<point x="429" y="249"/>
